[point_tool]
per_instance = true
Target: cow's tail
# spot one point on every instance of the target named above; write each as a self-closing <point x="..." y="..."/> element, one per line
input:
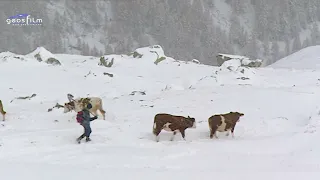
<point x="154" y="128"/>
<point x="101" y="107"/>
<point x="1" y="108"/>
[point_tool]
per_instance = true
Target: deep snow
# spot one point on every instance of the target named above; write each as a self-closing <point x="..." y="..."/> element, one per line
<point x="277" y="138"/>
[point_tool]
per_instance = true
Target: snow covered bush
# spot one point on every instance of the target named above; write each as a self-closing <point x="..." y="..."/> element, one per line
<point x="154" y="52"/>
<point x="104" y="61"/>
<point x="43" y="55"/>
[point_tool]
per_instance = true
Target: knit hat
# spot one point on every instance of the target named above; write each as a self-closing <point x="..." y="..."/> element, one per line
<point x="89" y="106"/>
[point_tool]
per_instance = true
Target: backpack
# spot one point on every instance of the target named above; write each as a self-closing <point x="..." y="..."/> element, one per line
<point x="79" y="117"/>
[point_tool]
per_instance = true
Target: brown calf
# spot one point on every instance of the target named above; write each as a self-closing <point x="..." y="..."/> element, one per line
<point x="223" y="123"/>
<point x="172" y="123"/>
<point x="2" y="111"/>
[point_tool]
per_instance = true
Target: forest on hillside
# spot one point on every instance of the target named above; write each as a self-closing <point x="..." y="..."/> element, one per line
<point x="186" y="29"/>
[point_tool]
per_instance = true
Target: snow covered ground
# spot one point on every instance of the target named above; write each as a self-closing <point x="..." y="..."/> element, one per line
<point x="277" y="138"/>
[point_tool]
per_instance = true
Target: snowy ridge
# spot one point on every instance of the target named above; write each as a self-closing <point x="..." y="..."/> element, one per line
<point x="280" y="107"/>
<point x="307" y="58"/>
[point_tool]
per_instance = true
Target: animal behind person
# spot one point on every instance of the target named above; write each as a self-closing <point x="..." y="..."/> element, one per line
<point x="223" y="123"/>
<point x="173" y="124"/>
<point x="79" y="103"/>
<point x="83" y="117"/>
<point x="2" y="111"/>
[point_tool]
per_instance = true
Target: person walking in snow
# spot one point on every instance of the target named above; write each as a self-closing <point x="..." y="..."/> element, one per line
<point x="83" y="117"/>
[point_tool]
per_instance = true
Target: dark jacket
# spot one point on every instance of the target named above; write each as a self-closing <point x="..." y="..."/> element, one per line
<point x="86" y="116"/>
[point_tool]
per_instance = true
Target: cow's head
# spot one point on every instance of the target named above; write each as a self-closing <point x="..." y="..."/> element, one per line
<point x="237" y="115"/>
<point x="191" y="122"/>
<point x="68" y="107"/>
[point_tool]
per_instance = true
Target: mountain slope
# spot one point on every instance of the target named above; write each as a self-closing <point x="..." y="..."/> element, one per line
<point x="307" y="58"/>
<point x="275" y="135"/>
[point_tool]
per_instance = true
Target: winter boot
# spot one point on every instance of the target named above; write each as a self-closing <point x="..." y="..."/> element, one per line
<point x="88" y="139"/>
<point x="80" y="138"/>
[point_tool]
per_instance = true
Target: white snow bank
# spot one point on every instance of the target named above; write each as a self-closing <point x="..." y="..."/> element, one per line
<point x="307" y="58"/>
<point x="9" y="57"/>
<point x="43" y="55"/>
<point x="147" y="56"/>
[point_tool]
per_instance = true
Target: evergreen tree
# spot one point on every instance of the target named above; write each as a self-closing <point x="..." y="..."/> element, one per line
<point x="296" y="46"/>
<point x="275" y="54"/>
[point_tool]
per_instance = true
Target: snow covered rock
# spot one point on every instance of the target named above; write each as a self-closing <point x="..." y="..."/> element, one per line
<point x="43" y="55"/>
<point x="154" y="52"/>
<point x="244" y="61"/>
<point x="233" y="70"/>
<point x="231" y="65"/>
<point x="195" y="61"/>
<point x="235" y="65"/>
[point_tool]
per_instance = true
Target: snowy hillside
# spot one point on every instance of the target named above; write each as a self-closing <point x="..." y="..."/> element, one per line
<point x="307" y="58"/>
<point x="278" y="133"/>
<point x="263" y="29"/>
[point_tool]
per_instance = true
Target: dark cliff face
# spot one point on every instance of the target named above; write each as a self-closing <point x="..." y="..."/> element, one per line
<point x="198" y="30"/>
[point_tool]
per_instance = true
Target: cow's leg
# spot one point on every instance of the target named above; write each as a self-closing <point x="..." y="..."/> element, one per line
<point x="173" y="134"/>
<point x="228" y="133"/>
<point x="213" y="132"/>
<point x="182" y="131"/>
<point x="156" y="132"/>
<point x="157" y="138"/>
<point x="232" y="130"/>
<point x="215" y="135"/>
<point x="3" y="116"/>
<point x="2" y="111"/>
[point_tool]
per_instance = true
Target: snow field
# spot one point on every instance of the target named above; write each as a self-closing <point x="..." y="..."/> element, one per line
<point x="276" y="138"/>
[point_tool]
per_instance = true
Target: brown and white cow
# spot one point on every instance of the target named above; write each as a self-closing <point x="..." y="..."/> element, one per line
<point x="80" y="103"/>
<point x="223" y="123"/>
<point x="172" y="123"/>
<point x="2" y="111"/>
